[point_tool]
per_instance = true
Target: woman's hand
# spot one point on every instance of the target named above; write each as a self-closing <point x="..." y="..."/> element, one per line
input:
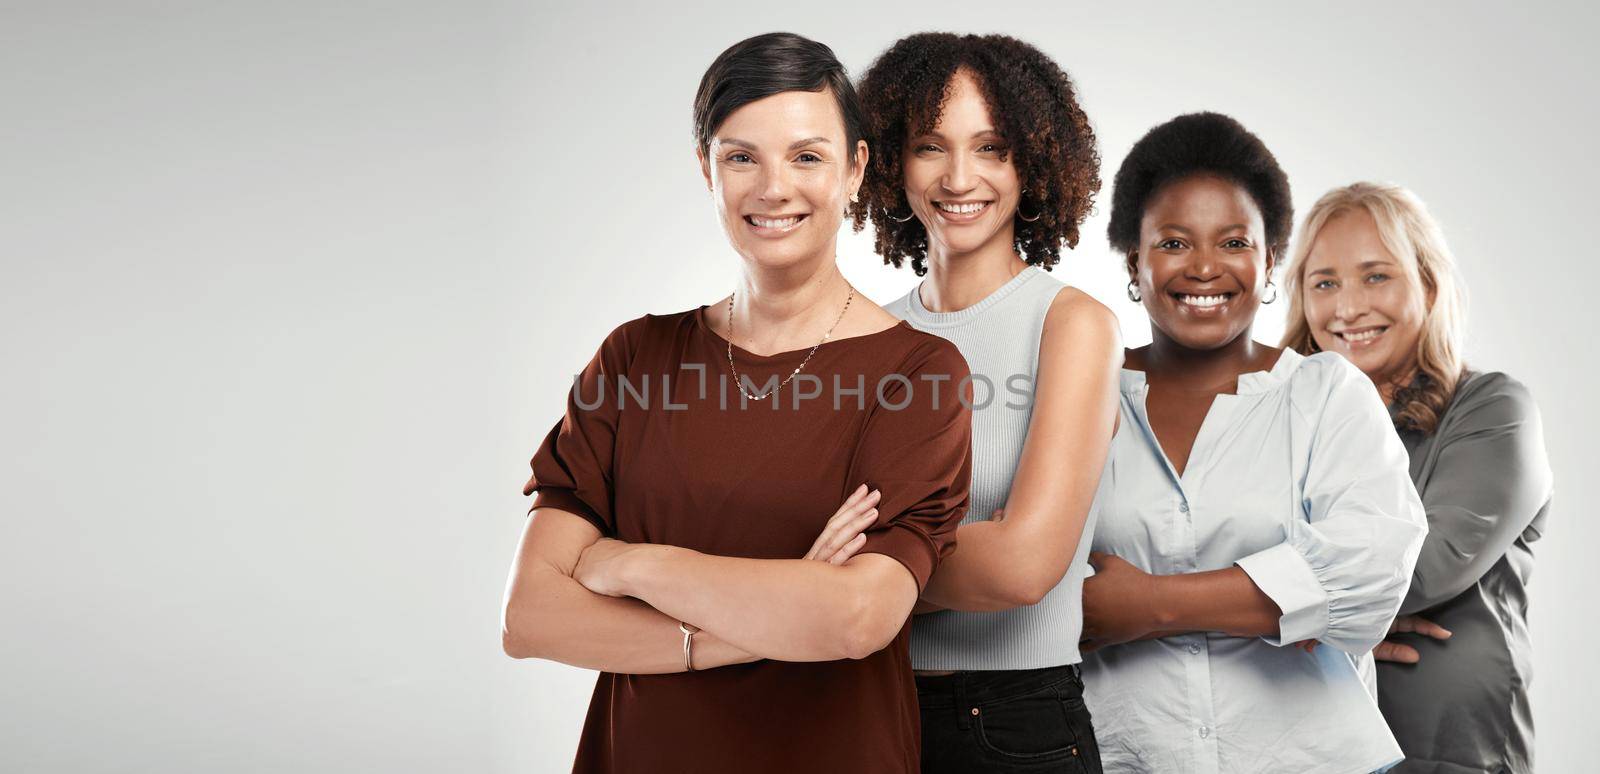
<point x="845" y="532"/>
<point x="1401" y="653"/>
<point x="599" y="567"/>
<point x="1118" y="603"/>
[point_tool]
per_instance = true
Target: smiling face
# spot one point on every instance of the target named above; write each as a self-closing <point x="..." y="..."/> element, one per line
<point x="959" y="177"/>
<point x="1202" y="261"/>
<point x="780" y="172"/>
<point x="1361" y="301"/>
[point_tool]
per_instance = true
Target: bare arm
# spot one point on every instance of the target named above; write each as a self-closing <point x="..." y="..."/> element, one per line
<point x="1122" y="603"/>
<point x="1016" y="560"/>
<point x="549" y="615"/>
<point x="785" y="609"/>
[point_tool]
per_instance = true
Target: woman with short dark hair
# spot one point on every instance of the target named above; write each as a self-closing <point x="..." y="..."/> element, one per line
<point x="674" y="538"/>
<point x="1258" y="499"/>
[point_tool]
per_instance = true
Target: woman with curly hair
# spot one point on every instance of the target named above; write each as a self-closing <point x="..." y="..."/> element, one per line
<point x="1258" y="499"/>
<point x="983" y="166"/>
<point x="1372" y="279"/>
<point x="673" y="541"/>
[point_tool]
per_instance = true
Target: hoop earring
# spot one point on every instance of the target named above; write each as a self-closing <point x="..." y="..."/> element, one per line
<point x="1133" y="292"/>
<point x="1274" y="293"/>
<point x="1024" y="218"/>
<point x="907" y="218"/>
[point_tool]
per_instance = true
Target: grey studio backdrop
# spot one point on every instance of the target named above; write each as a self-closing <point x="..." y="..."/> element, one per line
<point x="292" y="290"/>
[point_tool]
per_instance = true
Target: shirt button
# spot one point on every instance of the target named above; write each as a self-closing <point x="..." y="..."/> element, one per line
<point x="1194" y="649"/>
<point x="1183" y="507"/>
<point x="1205" y="731"/>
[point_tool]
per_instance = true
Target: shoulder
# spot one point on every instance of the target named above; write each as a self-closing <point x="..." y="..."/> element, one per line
<point x="1492" y="397"/>
<point x="928" y="353"/>
<point x="628" y="338"/>
<point x="1324" y="379"/>
<point x="1078" y="315"/>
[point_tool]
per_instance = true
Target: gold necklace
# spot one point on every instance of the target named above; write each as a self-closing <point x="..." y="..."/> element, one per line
<point x="740" y="383"/>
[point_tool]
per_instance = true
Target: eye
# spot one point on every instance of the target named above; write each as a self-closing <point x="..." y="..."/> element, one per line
<point x="1170" y="244"/>
<point x="927" y="147"/>
<point x="1236" y="244"/>
<point x="1377" y="277"/>
<point x="808" y="158"/>
<point x="1326" y="284"/>
<point x="740" y="157"/>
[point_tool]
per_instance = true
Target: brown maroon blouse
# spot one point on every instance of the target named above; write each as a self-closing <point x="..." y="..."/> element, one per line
<point x="658" y="446"/>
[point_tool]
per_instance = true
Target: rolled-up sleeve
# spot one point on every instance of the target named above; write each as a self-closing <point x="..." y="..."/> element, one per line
<point x="1346" y="561"/>
<point x="572" y="469"/>
<point x="920" y="457"/>
<point x="1491" y="481"/>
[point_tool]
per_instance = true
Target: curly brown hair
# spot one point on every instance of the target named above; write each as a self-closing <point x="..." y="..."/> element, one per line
<point x="1036" y="108"/>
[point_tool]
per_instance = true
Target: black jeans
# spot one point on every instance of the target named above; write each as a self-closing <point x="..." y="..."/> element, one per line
<point x="1026" y="720"/>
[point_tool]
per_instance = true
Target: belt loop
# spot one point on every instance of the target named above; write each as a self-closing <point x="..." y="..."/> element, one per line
<point x="963" y="709"/>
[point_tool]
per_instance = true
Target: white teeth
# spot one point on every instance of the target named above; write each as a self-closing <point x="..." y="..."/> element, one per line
<point x="770" y="223"/>
<point x="1203" y="300"/>
<point x="1366" y="335"/>
<point x="962" y="209"/>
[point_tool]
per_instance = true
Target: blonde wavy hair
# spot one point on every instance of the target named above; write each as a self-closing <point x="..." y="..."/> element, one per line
<point x="1415" y="239"/>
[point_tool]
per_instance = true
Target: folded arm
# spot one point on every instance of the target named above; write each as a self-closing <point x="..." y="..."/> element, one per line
<point x="549" y="615"/>
<point x="1015" y="561"/>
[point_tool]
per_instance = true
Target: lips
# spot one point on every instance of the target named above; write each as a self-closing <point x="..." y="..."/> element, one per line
<point x="1202" y="303"/>
<point x="774" y="225"/>
<point x="1361" y="338"/>
<point x="961" y="212"/>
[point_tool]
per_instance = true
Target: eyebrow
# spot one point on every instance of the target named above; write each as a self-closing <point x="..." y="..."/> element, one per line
<point x="1176" y="227"/>
<point x="792" y="146"/>
<point x="1363" y="265"/>
<point x="979" y="133"/>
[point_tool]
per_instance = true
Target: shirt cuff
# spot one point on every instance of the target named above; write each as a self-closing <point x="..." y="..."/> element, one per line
<point x="1285" y="576"/>
<point x="907" y="545"/>
<point x="568" y="500"/>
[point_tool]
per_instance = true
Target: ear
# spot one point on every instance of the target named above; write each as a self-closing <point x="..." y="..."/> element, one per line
<point x="1272" y="261"/>
<point x="1133" y="264"/>
<point x="858" y="167"/>
<point x="705" y="165"/>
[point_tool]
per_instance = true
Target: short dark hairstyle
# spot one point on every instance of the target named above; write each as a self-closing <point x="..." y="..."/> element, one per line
<point x="1199" y="143"/>
<point x="759" y="67"/>
<point x="1035" y="108"/>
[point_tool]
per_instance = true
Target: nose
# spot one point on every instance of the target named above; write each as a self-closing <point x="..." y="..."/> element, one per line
<point x="1203" y="265"/>
<point x="776" y="187"/>
<point x="1350" y="304"/>
<point x="958" y="176"/>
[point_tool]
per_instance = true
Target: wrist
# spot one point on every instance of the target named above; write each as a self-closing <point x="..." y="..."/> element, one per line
<point x="1160" y="604"/>
<point x="624" y="569"/>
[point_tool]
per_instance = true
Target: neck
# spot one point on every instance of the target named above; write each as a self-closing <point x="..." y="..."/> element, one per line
<point x="956" y="281"/>
<point x="775" y="308"/>
<point x="1202" y="368"/>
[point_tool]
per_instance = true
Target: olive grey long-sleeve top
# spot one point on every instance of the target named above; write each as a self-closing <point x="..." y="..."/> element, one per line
<point x="1485" y="483"/>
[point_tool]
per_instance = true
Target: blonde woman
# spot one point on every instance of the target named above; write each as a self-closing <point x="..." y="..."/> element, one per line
<point x="1372" y="279"/>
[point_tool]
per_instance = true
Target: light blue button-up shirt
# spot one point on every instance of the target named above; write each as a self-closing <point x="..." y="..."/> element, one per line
<point x="1300" y="480"/>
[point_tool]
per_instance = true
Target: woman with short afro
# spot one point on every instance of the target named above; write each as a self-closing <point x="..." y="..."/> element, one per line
<point x="983" y="166"/>
<point x="1259" y="525"/>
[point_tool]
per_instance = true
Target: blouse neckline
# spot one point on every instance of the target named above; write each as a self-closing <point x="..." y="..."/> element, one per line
<point x="930" y="319"/>
<point x="1251" y="383"/>
<point x="716" y="338"/>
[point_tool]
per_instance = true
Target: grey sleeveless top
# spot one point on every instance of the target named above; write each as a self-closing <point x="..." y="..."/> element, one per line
<point x="999" y="336"/>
